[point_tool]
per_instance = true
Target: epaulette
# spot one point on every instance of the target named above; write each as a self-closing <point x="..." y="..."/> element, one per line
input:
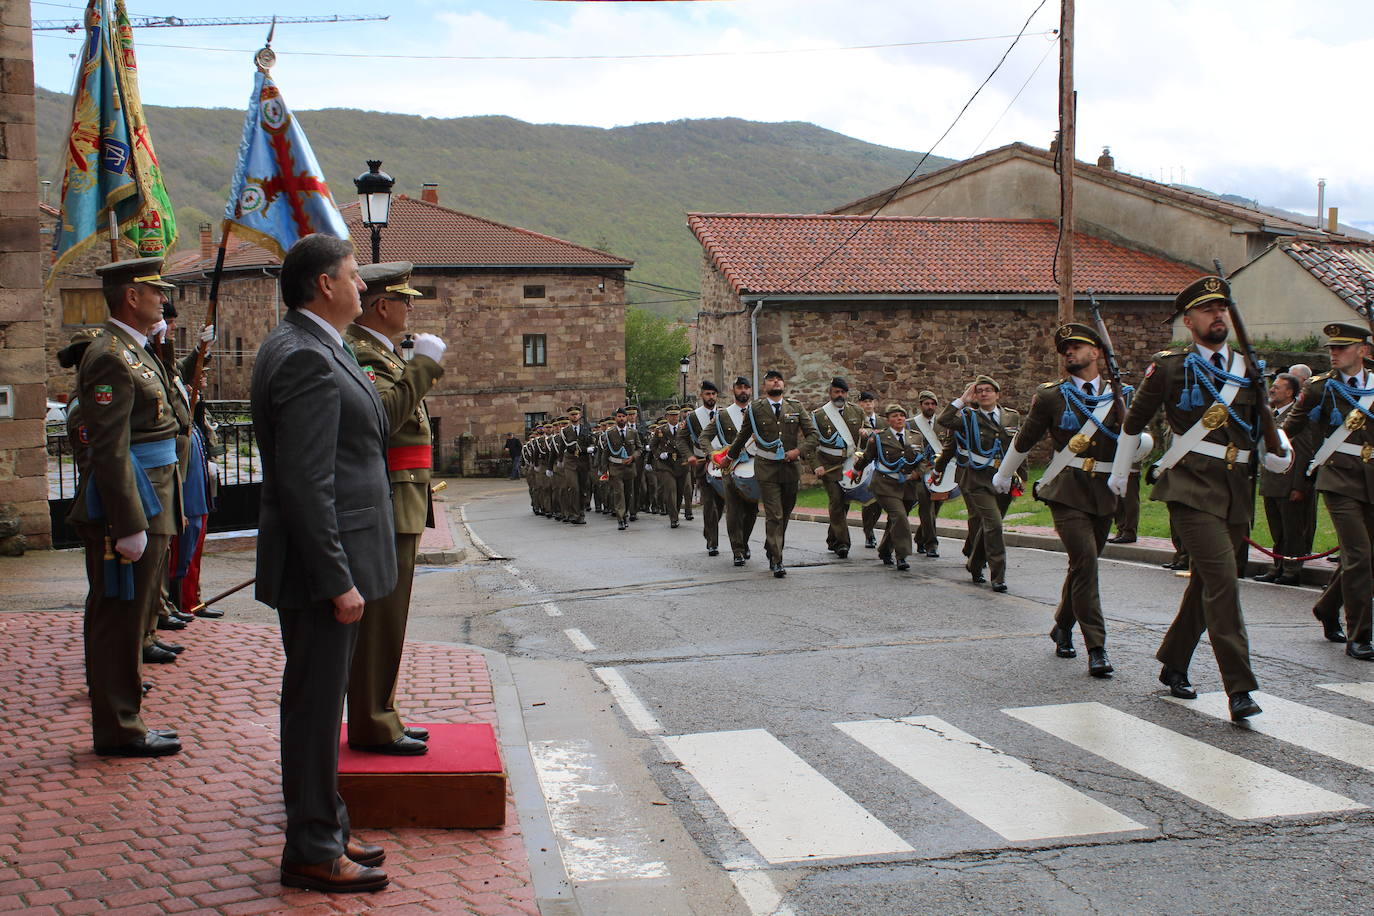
<point x="1320" y="377"/>
<point x="1163" y="353"/>
<point x="1054" y="384"/>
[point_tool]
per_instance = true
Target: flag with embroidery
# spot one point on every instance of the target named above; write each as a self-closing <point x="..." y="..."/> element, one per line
<point x="96" y="172"/>
<point x="278" y="193"/>
<point x="152" y="224"/>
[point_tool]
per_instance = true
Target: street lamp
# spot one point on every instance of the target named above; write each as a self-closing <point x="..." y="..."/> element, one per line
<point x="374" y="196"/>
<point x="682" y="365"/>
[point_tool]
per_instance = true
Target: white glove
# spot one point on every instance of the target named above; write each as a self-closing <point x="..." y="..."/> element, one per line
<point x="1117" y="484"/>
<point x="1001" y="481"/>
<point x="1126" y="448"/>
<point x="548" y="473"/>
<point x="591" y="450"/>
<point x="131" y="546"/>
<point x="431" y="346"/>
<point x="207" y="334"/>
<point x="1011" y="463"/>
<point x="1282" y="461"/>
<point x="156" y="331"/>
<point x="662" y="456"/>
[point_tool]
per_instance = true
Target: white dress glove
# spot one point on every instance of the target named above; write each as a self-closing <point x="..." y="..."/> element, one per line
<point x="662" y="456"/>
<point x="431" y="346"/>
<point x="1282" y="461"/>
<point x="207" y="334"/>
<point x="1126" y="447"/>
<point x="131" y="546"/>
<point x="1001" y="482"/>
<point x="156" y="331"/>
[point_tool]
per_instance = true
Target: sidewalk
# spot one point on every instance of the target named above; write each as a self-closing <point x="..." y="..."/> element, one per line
<point x="202" y="830"/>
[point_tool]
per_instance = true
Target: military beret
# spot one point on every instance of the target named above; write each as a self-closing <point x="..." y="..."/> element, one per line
<point x="388" y="277"/>
<point x="894" y="408"/>
<point x="987" y="380"/>
<point x="867" y="396"/>
<point x="741" y="380"/>
<point x="772" y="373"/>
<point x="71" y="354"/>
<point x="1075" y="333"/>
<point x="839" y="383"/>
<point x="621" y="411"/>
<point x="134" y="270"/>
<point x="708" y="385"/>
<point x="926" y="393"/>
<point x="1201" y="290"/>
<point x="1339" y="334"/>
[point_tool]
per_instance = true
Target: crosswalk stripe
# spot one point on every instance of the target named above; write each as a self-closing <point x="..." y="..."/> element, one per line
<point x="1360" y="691"/>
<point x="980" y="780"/>
<point x="1236" y="787"/>
<point x="782" y="805"/>
<point x="1331" y="736"/>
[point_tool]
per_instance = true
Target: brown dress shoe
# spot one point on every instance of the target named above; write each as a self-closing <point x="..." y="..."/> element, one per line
<point x="365" y="853"/>
<point x="336" y="876"/>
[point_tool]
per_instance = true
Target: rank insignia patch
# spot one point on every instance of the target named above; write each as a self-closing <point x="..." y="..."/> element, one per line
<point x="104" y="394"/>
<point x="370" y="373"/>
<point x="1150" y="371"/>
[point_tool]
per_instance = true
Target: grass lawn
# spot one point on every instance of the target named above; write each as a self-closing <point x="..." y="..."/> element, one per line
<point x="1154" y="516"/>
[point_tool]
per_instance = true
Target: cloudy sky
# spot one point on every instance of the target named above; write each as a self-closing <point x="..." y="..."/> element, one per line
<point x="1253" y="97"/>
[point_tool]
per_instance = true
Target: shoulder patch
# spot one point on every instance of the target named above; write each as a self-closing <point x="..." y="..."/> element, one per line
<point x="371" y="373"/>
<point x="104" y="394"/>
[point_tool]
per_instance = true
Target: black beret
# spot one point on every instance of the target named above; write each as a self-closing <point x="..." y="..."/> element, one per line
<point x="708" y="385"/>
<point x="772" y="373"/>
<point x="867" y="396"/>
<point x="741" y="380"/>
<point x="839" y="383"/>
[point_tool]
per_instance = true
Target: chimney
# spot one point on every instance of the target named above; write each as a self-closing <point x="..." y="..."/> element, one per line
<point x="1333" y="225"/>
<point x="1105" y="161"/>
<point x="429" y="193"/>
<point x="207" y="241"/>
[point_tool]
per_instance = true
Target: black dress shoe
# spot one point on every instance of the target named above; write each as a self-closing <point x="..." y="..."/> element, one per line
<point x="841" y="552"/>
<point x="633" y="517"/>
<point x="402" y="747"/>
<point x="903" y="564"/>
<point x="171" y="647"/>
<point x="712" y="552"/>
<point x="1172" y="565"/>
<point x="672" y="524"/>
<point x="183" y="616"/>
<point x="579" y="521"/>
<point x="1099" y="665"/>
<point x="621" y="525"/>
<point x="1063" y="643"/>
<point x="146" y="687"/>
<point x="210" y="613"/>
<point x="418" y="732"/>
<point x="933" y="553"/>
<point x="1331" y="626"/>
<point x="978" y="578"/>
<point x="739" y="560"/>
<point x="999" y="587"/>
<point x="170" y="623"/>
<point x="747" y="554"/>
<point x="150" y="745"/>
<point x="1243" y="706"/>
<point x="886" y="558"/>
<point x="171" y="733"/>
<point x="1288" y="580"/>
<point x="1177" y="682"/>
<point x="777" y="569"/>
<point x="1122" y="539"/>
<point x="152" y="655"/>
<point x="1361" y="650"/>
<point x="870" y="541"/>
<point x="687" y="516"/>
<point x="1269" y="576"/>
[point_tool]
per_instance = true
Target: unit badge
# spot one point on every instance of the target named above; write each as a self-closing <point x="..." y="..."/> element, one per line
<point x="371" y="373"/>
<point x="104" y="394"/>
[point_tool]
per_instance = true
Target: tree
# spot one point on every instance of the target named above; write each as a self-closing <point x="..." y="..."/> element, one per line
<point x="653" y="348"/>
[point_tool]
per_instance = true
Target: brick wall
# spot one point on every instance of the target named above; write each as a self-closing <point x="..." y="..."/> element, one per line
<point x="23" y="465"/>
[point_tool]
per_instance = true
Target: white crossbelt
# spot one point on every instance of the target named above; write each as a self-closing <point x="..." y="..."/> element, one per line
<point x="978" y="462"/>
<point x="1191" y="441"/>
<point x="841" y="427"/>
<point x="1065" y="458"/>
<point x="703" y="420"/>
<point x="1336" y="444"/>
<point x="1363" y="452"/>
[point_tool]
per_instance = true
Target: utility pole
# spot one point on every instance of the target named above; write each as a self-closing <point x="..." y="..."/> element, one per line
<point x="1067" y="152"/>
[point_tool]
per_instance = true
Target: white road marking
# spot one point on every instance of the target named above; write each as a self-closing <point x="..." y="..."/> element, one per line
<point x="1236" y="787"/>
<point x="759" y="893"/>
<point x="787" y="810"/>
<point x="599" y="840"/>
<point x="579" y="640"/>
<point x="630" y="704"/>
<point x="1329" y="735"/>
<point x="552" y="609"/>
<point x="980" y="780"/>
<point x="1358" y="690"/>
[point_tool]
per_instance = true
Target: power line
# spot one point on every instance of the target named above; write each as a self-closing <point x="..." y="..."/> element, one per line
<point x="176" y="22"/>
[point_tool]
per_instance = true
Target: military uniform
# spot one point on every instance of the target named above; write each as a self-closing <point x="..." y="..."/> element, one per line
<point x="669" y="455"/>
<point x="834" y="446"/>
<point x="642" y="490"/>
<point x="698" y="424"/>
<point x="978" y="442"/>
<point x="741" y="512"/>
<point x="872" y="512"/>
<point x="573" y="442"/>
<point x="926" y="537"/>
<point x="769" y="430"/>
<point x="898" y="457"/>
<point x="372" y="718"/>
<point x="623" y="450"/>
<point x="1288" y="521"/>
<point x="129" y="431"/>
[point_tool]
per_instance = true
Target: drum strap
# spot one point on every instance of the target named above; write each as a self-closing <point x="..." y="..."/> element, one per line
<point x="841" y="428"/>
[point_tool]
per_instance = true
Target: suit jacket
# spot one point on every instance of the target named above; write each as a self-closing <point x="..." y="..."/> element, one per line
<point x="1278" y="486"/>
<point x="674" y="445"/>
<point x="325" y="522"/>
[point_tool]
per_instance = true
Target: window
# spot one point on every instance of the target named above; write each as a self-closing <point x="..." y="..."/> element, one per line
<point x="83" y="306"/>
<point x="181" y="338"/>
<point x="533" y="292"/>
<point x="426" y="292"/>
<point x="534" y="350"/>
<point x="718" y="364"/>
<point x="238" y="351"/>
<point x="534" y="419"/>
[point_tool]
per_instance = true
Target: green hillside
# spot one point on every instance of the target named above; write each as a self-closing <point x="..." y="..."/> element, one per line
<point x="625" y="189"/>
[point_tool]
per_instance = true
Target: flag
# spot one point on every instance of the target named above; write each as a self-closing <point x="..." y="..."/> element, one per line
<point x="152" y="222"/>
<point x="96" y="173"/>
<point x="278" y="193"/>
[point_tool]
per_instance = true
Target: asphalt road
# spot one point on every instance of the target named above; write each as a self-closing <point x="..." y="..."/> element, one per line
<point x="856" y="740"/>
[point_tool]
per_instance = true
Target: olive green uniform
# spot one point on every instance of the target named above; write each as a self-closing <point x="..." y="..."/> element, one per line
<point x="712" y="503"/>
<point x="871" y="512"/>
<point x="1289" y="521"/>
<point x="741" y="513"/>
<point x="788" y="427"/>
<point x="669" y="453"/>
<point x="372" y="716"/>
<point x="899" y="466"/>
<point x="926" y="538"/>
<point x="831" y="452"/>
<point x="984" y="545"/>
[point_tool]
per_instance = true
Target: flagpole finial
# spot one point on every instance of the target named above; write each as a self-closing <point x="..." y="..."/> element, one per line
<point x="266" y="57"/>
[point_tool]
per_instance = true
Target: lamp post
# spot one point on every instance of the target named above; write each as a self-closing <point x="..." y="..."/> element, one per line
<point x="682" y="365"/>
<point x="374" y="197"/>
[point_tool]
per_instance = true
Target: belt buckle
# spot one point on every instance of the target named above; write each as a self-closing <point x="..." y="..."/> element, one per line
<point x="1366" y="452"/>
<point x="1089" y="464"/>
<point x="1231" y="452"/>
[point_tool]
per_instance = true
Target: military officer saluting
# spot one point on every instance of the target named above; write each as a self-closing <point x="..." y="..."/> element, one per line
<point x="897" y="453"/>
<point x="741" y="512"/>
<point x="700" y="422"/>
<point x="1333" y="417"/>
<point x="775" y="430"/>
<point x="623" y="450"/>
<point x="1212" y="408"/>
<point x="981" y="432"/>
<point x="838" y="425"/>
<point x="373" y="723"/>
<point x="128" y="505"/>
<point x="1079" y="414"/>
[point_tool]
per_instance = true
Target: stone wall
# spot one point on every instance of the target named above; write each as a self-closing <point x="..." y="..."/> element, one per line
<point x="23" y="462"/>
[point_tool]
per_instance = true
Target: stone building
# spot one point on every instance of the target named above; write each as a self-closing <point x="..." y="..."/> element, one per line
<point x="24" y="517"/>
<point x="897" y="304"/>
<point x="1296" y="286"/>
<point x="533" y="323"/>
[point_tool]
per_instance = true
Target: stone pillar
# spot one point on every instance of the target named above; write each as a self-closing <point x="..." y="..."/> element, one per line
<point x="23" y="459"/>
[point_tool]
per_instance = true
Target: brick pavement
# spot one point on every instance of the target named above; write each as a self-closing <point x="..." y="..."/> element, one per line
<point x="202" y="831"/>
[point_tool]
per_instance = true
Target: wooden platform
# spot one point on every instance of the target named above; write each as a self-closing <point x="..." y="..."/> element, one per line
<point x="459" y="783"/>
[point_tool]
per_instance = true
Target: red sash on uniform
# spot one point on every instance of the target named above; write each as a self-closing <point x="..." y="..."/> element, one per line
<point x="408" y="457"/>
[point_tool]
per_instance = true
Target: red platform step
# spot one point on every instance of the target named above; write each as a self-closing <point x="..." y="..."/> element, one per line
<point x="459" y="783"/>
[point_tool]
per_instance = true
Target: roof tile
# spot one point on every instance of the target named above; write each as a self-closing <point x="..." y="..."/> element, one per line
<point x="1346" y="270"/>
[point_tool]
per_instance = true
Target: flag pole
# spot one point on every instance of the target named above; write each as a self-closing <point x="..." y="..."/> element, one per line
<point x="211" y="316"/>
<point x="114" y="235"/>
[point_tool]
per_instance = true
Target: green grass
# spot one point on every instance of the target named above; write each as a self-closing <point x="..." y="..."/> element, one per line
<point x="1154" y="516"/>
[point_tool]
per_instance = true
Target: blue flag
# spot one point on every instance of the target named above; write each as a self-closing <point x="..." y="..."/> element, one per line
<point x="278" y="193"/>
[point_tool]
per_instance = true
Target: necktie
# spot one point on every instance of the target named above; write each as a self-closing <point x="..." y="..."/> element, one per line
<point x="1088" y="388"/>
<point x="777" y="410"/>
<point x="901" y="439"/>
<point x="1218" y="362"/>
<point x="348" y="348"/>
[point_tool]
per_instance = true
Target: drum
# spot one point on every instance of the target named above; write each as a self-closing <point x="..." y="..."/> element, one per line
<point x="715" y="479"/>
<point x="861" y="487"/>
<point x="947" y="488"/>
<point x="743" y="475"/>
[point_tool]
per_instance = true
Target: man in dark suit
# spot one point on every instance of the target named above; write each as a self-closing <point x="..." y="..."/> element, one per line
<point x="1287" y="496"/>
<point x="326" y="544"/>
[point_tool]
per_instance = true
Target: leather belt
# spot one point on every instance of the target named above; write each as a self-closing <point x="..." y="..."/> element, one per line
<point x="835" y="452"/>
<point x="1091" y="465"/>
<point x="1228" y="453"/>
<point x="1362" y="452"/>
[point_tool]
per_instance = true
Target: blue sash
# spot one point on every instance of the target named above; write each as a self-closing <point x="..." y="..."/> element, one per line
<point x="119" y="575"/>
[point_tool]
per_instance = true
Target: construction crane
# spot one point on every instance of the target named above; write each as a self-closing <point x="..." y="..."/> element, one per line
<point x="176" y="22"/>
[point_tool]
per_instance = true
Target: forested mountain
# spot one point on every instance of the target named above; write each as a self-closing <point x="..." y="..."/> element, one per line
<point x="625" y="189"/>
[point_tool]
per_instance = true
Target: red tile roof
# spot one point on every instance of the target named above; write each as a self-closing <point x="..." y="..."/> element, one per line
<point x="1346" y="270"/>
<point x="428" y="235"/>
<point x="775" y="253"/>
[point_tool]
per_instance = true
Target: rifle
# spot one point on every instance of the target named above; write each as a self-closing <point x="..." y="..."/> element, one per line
<point x="1109" y="357"/>
<point x="211" y="317"/>
<point x="1268" y="427"/>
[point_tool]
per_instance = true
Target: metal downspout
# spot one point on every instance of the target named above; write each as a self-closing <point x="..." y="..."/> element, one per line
<point x="754" y="340"/>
